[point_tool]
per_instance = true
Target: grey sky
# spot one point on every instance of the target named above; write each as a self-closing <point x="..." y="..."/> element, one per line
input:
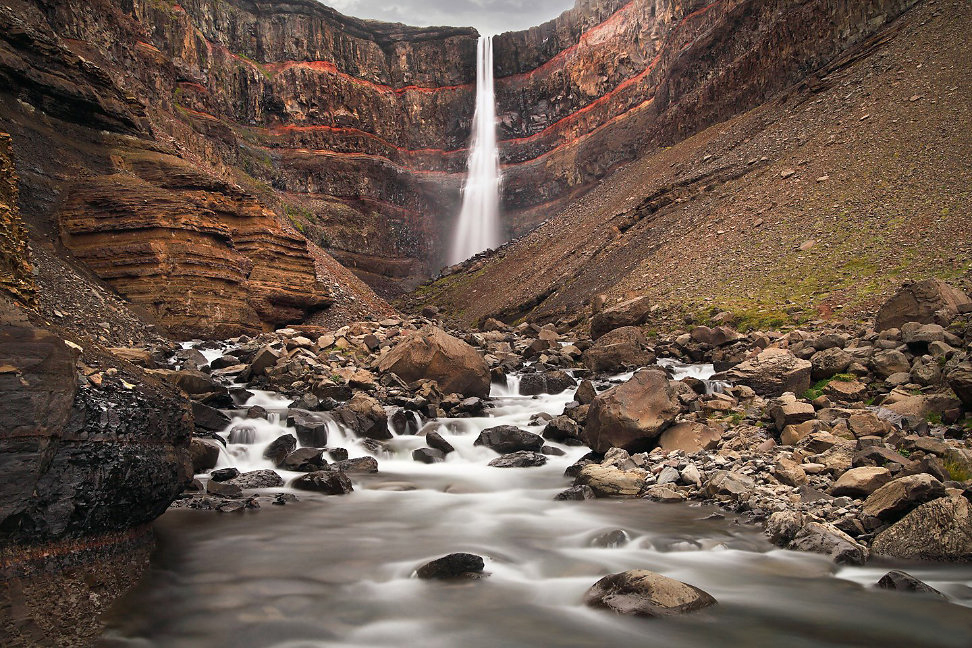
<point x="488" y="16"/>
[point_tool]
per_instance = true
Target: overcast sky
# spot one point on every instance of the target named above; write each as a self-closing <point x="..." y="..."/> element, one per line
<point x="488" y="16"/>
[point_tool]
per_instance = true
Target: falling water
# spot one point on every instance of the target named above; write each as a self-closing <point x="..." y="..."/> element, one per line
<point x="478" y="227"/>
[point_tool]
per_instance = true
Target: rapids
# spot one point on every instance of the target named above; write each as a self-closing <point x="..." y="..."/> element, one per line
<point x="338" y="571"/>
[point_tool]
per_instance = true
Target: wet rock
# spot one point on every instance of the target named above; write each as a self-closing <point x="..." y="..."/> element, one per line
<point x="209" y="418"/>
<point x="790" y="530"/>
<point x="204" y="453"/>
<point x="519" y="459"/>
<point x="628" y="313"/>
<point x="618" y="349"/>
<point x="551" y="382"/>
<point x="328" y="482"/>
<point x="453" y="566"/>
<point x="360" y="465"/>
<point x="552" y="451"/>
<point x="508" y="438"/>
<point x="633" y="414"/>
<point x="610" y="539"/>
<point x="928" y="301"/>
<point x="610" y="481"/>
<point x="689" y="437"/>
<point x="576" y="493"/>
<point x="223" y="489"/>
<point x="264" y="478"/>
<point x="904" y="582"/>
<point x="224" y="474"/>
<point x="311" y="427"/>
<point x="434" y="354"/>
<point x="937" y="530"/>
<point x="428" y="455"/>
<point x="562" y="429"/>
<point x="585" y="393"/>
<point x="304" y="460"/>
<point x="405" y="422"/>
<point x="771" y="373"/>
<point x="279" y="448"/>
<point x="365" y="417"/>
<point x="861" y="482"/>
<point x="645" y="593"/>
<point x="893" y="500"/>
<point x="435" y="441"/>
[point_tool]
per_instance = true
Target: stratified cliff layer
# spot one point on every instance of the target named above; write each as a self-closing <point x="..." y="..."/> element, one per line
<point x="816" y="204"/>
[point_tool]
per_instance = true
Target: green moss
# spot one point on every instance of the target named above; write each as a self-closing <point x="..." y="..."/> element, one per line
<point x="956" y="471"/>
<point x="934" y="418"/>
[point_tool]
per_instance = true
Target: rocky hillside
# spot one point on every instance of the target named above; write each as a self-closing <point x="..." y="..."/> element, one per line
<point x="816" y="204"/>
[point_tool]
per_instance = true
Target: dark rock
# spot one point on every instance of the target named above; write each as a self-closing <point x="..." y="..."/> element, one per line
<point x="551" y="451"/>
<point x="435" y="441"/>
<point x="223" y="474"/>
<point x="223" y="489"/>
<point x="519" y="459"/>
<point x="508" y="438"/>
<point x="562" y="428"/>
<point x="279" y="448"/>
<point x="428" y="455"/>
<point x="204" y="453"/>
<point x="621" y="348"/>
<point x="585" y="393"/>
<point x="644" y="593"/>
<point x="905" y="582"/>
<point x="337" y="454"/>
<point x="311" y="427"/>
<point x="610" y="539"/>
<point x="357" y="465"/>
<point x="209" y="418"/>
<point x="453" y="566"/>
<point x="405" y="422"/>
<point x="264" y="478"/>
<point x="329" y="482"/>
<point x="304" y="460"/>
<point x="576" y="493"/>
<point x="365" y="417"/>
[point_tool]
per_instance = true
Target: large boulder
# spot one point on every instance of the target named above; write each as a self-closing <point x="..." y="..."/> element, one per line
<point x="861" y="482"/>
<point x="623" y="347"/>
<point x="633" y="414"/>
<point x="896" y="498"/>
<point x="434" y="354"/>
<point x="550" y="382"/>
<point x="328" y="482"/>
<point x="937" y="530"/>
<point x="365" y="417"/>
<point x="928" y="301"/>
<point x="628" y="313"/>
<point x="689" y="437"/>
<point x="611" y="481"/>
<point x="960" y="380"/>
<point x="772" y="372"/>
<point x="645" y="593"/>
<point x="509" y="438"/>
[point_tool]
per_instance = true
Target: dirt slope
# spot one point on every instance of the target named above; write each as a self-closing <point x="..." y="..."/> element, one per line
<point x="817" y="203"/>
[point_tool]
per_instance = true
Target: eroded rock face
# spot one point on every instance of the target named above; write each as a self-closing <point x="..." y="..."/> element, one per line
<point x="81" y="462"/>
<point x="633" y="414"/>
<point x="432" y="353"/>
<point x="640" y="592"/>
<point x="937" y="530"/>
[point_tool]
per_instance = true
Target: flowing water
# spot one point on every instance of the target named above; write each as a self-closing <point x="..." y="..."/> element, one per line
<point x="338" y="571"/>
<point x="478" y="228"/>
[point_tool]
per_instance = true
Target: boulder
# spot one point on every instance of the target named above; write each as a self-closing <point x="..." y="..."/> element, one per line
<point x="264" y="478"/>
<point x="519" y="459"/>
<point x="428" y="455"/>
<point x="645" y="593"/>
<point x="772" y="372"/>
<point x="223" y="489"/>
<point x="434" y="354"/>
<point x="633" y="414"/>
<point x="861" y="482"/>
<point x="204" y="453"/>
<point x="960" y="380"/>
<point x="611" y="481"/>
<point x="304" y="460"/>
<point x="790" y="472"/>
<point x="436" y="442"/>
<point x="550" y="382"/>
<point x="224" y="474"/>
<point x="576" y="494"/>
<point x="787" y="410"/>
<point x="359" y="465"/>
<point x="140" y="357"/>
<point x="585" y="393"/>
<point x="790" y="530"/>
<point x="365" y="417"/>
<point x="937" y="530"/>
<point x="888" y="363"/>
<point x="628" y="313"/>
<point x="829" y="362"/>
<point x="845" y="391"/>
<point x="311" y="427"/>
<point x="328" y="482"/>
<point x="452" y="566"/>
<point x="893" y="500"/>
<point x="621" y="348"/>
<point x="562" y="429"/>
<point x="208" y="418"/>
<point x="904" y="582"/>
<point x="508" y="438"/>
<point x="194" y="383"/>
<point x="729" y="484"/>
<point x="689" y="437"/>
<point x="263" y="360"/>
<point x="928" y="301"/>
<point x="279" y="448"/>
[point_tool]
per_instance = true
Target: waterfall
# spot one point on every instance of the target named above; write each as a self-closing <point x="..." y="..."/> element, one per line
<point x="478" y="227"/>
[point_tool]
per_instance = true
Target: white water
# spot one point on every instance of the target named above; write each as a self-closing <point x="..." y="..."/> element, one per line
<point x="478" y="227"/>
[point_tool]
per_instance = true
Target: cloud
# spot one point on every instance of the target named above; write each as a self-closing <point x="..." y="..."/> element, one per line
<point x="488" y="16"/>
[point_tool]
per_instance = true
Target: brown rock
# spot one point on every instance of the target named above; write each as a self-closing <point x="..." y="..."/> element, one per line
<point x="937" y="530"/>
<point x="689" y="437"/>
<point x="641" y="592"/>
<point x="617" y="349"/>
<point x="893" y="500"/>
<point x="434" y="354"/>
<point x="928" y="301"/>
<point x="632" y="414"/>
<point x="611" y="481"/>
<point x="773" y="372"/>
<point x="861" y="482"/>
<point x="628" y="313"/>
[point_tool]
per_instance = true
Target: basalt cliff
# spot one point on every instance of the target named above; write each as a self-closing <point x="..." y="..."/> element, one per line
<point x="213" y="159"/>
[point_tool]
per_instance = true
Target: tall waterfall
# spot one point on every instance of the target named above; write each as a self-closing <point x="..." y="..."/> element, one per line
<point x="478" y="227"/>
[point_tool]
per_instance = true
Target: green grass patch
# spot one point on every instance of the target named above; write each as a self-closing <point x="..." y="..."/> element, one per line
<point x="816" y="391"/>
<point x="956" y="471"/>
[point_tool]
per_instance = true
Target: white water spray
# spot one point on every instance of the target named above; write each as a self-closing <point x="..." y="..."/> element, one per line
<point x="478" y="228"/>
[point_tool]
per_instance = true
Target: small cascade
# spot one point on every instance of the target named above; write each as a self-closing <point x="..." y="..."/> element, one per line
<point x="478" y="228"/>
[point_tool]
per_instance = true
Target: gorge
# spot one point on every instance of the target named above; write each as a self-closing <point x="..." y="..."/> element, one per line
<point x="698" y="371"/>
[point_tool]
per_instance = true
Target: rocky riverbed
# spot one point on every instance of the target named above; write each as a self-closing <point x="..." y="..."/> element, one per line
<point x="847" y="443"/>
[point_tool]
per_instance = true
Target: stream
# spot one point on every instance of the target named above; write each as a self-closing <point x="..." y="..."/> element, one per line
<point x="338" y="571"/>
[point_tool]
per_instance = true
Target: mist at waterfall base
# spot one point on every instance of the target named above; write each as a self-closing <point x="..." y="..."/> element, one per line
<point x="478" y="228"/>
<point x="338" y="572"/>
